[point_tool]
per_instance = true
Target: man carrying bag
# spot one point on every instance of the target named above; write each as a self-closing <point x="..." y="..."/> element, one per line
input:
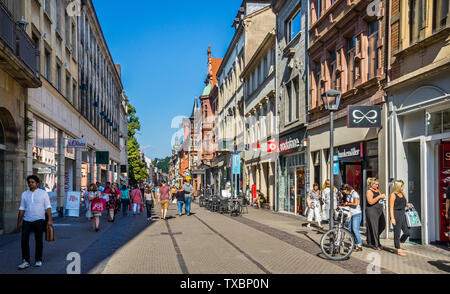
<point x="34" y="204"/>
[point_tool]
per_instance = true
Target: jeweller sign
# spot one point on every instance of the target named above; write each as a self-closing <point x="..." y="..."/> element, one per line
<point x="363" y="116"/>
<point x="76" y="143"/>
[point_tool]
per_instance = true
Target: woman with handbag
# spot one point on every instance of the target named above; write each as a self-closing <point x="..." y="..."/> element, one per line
<point x="397" y="205"/>
<point x="326" y="197"/>
<point x="94" y="195"/>
<point x="374" y="213"/>
<point x="313" y="201"/>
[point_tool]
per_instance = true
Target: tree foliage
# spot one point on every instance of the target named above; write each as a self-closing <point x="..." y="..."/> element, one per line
<point x="136" y="167"/>
<point x="162" y="164"/>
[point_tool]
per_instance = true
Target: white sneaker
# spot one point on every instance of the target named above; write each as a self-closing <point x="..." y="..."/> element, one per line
<point x="23" y="265"/>
<point x="308" y="225"/>
<point x="38" y="264"/>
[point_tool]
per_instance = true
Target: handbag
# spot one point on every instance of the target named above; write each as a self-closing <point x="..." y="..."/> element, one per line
<point x="98" y="205"/>
<point x="49" y="234"/>
<point x="412" y="217"/>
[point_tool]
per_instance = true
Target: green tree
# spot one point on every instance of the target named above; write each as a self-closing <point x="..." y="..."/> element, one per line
<point x="136" y="167"/>
<point x="162" y="164"/>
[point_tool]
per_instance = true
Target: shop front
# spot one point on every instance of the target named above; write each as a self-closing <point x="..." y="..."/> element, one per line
<point x="419" y="126"/>
<point x="292" y="179"/>
<point x="357" y="162"/>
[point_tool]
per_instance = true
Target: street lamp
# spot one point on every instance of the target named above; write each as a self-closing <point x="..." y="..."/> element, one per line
<point x="331" y="99"/>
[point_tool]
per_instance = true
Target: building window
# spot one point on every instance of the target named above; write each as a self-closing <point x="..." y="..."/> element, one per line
<point x="68" y="86"/>
<point x="293" y="26"/>
<point x="417" y="19"/>
<point x="58" y="77"/>
<point x="48" y="65"/>
<point x="319" y="8"/>
<point x="351" y="62"/>
<point x="318" y="84"/>
<point x="289" y="103"/>
<point x="296" y="92"/>
<point x="440" y="12"/>
<point x="333" y="68"/>
<point x="46" y="5"/>
<point x="372" y="50"/>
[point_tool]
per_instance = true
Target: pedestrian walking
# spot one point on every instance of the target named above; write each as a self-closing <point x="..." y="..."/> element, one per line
<point x="180" y="200"/>
<point x="397" y="205"/>
<point x="112" y="201"/>
<point x="136" y="198"/>
<point x="355" y="210"/>
<point x="376" y="222"/>
<point x="188" y="189"/>
<point x="313" y="201"/>
<point x="149" y="202"/>
<point x="34" y="204"/>
<point x="163" y="198"/>
<point x="326" y="198"/>
<point x="125" y="198"/>
<point x="94" y="194"/>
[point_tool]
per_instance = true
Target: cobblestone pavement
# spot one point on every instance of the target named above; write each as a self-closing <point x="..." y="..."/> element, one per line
<point x="209" y="243"/>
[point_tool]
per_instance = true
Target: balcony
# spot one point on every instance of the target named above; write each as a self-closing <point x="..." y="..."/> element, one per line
<point x="18" y="56"/>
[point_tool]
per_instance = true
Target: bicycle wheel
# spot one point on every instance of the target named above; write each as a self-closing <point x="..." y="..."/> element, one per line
<point x="236" y="210"/>
<point x="337" y="244"/>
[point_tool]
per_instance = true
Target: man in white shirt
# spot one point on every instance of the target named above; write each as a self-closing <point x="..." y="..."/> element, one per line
<point x="34" y="204"/>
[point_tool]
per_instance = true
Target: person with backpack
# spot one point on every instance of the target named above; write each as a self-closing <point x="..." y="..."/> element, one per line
<point x="188" y="189"/>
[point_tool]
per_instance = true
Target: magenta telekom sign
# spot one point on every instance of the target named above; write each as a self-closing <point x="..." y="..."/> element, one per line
<point x="76" y="143"/>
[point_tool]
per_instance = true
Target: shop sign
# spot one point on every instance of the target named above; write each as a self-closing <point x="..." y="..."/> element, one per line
<point x="46" y="170"/>
<point x="272" y="146"/>
<point x="236" y="164"/>
<point x="77" y="143"/>
<point x="446" y="155"/>
<point x="102" y="157"/>
<point x="348" y="151"/>
<point x="363" y="116"/>
<point x="335" y="165"/>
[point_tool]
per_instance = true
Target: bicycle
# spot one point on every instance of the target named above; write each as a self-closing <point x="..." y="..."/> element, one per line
<point x="338" y="243"/>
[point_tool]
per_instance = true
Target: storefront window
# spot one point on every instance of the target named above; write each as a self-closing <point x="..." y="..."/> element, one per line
<point x="438" y="122"/>
<point x="300" y="189"/>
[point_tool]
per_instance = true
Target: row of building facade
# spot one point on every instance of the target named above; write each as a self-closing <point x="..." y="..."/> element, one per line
<point x="265" y="94"/>
<point x="58" y="81"/>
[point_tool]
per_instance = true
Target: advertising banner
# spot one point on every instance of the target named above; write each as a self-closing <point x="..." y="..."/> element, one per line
<point x="73" y="203"/>
<point x="236" y="164"/>
<point x="53" y="202"/>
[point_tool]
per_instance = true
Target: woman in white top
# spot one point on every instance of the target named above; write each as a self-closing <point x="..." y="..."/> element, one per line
<point x="356" y="213"/>
<point x="313" y="201"/>
<point x="326" y="200"/>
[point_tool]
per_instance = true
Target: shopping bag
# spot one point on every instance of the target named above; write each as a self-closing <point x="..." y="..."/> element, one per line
<point x="142" y="208"/>
<point x="412" y="217"/>
<point x="49" y="234"/>
<point x="131" y="206"/>
<point x="98" y="205"/>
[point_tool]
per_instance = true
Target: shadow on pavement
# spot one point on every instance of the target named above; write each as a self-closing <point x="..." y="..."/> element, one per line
<point x="443" y="265"/>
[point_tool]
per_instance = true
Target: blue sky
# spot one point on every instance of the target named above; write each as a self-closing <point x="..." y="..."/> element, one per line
<point x="162" y="46"/>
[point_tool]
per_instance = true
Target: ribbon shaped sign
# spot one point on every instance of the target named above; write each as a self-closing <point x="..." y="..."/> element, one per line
<point x="358" y="116"/>
<point x="363" y="116"/>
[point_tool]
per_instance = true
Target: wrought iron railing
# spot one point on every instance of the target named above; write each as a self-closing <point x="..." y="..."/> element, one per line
<point x="18" y="41"/>
<point x="7" y="27"/>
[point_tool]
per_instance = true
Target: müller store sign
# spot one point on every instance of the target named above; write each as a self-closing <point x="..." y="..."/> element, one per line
<point x="351" y="151"/>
